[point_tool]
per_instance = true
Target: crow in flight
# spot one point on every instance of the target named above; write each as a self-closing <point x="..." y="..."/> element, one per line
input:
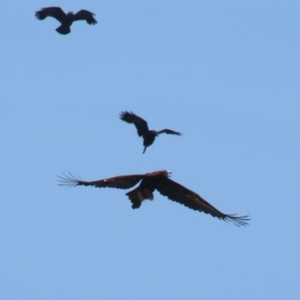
<point x="142" y="128"/>
<point x="66" y="20"/>
<point x="161" y="182"/>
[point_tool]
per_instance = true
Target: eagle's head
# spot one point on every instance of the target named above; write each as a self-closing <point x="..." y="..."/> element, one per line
<point x="167" y="173"/>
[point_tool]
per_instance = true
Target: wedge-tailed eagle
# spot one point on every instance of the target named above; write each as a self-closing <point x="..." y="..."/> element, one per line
<point x="161" y="182"/>
<point x="66" y="20"/>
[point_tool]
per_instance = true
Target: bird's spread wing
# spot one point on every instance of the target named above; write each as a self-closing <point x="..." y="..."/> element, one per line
<point x="119" y="182"/>
<point x="140" y="124"/>
<point x="55" y="12"/>
<point x="176" y="192"/>
<point x="85" y="15"/>
<point x="168" y="131"/>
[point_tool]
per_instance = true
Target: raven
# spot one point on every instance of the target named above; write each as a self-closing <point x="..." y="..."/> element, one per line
<point x="142" y="128"/>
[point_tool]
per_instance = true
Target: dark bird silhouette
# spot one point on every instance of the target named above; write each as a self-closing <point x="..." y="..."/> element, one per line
<point x="150" y="182"/>
<point x="142" y="128"/>
<point x="66" y="20"/>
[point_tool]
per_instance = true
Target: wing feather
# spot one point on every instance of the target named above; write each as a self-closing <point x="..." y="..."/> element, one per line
<point x="54" y="12"/>
<point x="139" y="123"/>
<point x="119" y="182"/>
<point x="176" y="192"/>
<point x="169" y="131"/>
<point x="85" y="15"/>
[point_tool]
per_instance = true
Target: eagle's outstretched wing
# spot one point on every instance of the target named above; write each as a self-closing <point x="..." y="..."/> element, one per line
<point x="119" y="182"/>
<point x="169" y="131"/>
<point x="176" y="192"/>
<point x="85" y="15"/>
<point x="55" y="12"/>
<point x="140" y="124"/>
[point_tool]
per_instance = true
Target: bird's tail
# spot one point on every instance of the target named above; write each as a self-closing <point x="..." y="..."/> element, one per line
<point x="137" y="195"/>
<point x="63" y="29"/>
<point x="145" y="149"/>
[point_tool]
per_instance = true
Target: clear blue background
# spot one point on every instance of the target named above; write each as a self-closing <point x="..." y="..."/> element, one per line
<point x="226" y="74"/>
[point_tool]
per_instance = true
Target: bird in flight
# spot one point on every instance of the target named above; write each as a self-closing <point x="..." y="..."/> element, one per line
<point x="150" y="182"/>
<point x="66" y="20"/>
<point x="142" y="128"/>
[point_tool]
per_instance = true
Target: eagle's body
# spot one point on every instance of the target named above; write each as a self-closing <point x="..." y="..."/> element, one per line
<point x="66" y="20"/>
<point x="142" y="128"/>
<point x="161" y="182"/>
<point x="64" y="28"/>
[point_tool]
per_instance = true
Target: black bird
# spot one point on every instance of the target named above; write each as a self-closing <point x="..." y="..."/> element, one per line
<point x="142" y="128"/>
<point x="66" y="20"/>
<point x="150" y="182"/>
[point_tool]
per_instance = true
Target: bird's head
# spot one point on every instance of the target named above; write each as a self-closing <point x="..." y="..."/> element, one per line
<point x="70" y="13"/>
<point x="167" y="173"/>
<point x="153" y="133"/>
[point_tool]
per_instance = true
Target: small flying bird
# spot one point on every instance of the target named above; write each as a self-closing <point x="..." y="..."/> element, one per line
<point x="66" y="20"/>
<point x="150" y="182"/>
<point x="142" y="128"/>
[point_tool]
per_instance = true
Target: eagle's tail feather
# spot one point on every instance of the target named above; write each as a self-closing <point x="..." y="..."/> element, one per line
<point x="137" y="195"/>
<point x="63" y="29"/>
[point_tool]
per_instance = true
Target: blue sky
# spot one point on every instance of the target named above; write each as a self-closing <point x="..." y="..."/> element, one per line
<point x="224" y="73"/>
